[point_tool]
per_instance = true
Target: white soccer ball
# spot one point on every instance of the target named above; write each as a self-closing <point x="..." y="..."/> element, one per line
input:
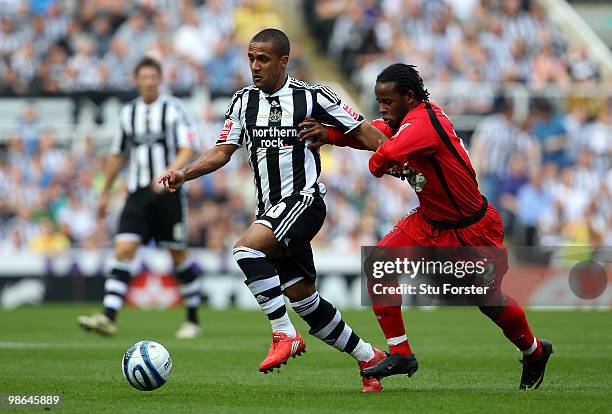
<point x="146" y="365"/>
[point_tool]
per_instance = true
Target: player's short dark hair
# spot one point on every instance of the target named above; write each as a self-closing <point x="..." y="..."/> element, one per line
<point x="406" y="78"/>
<point x="147" y="62"/>
<point x="276" y="37"/>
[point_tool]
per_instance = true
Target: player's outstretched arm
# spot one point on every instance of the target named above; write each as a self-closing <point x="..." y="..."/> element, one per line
<point x="320" y="134"/>
<point x="371" y="138"/>
<point x="208" y="162"/>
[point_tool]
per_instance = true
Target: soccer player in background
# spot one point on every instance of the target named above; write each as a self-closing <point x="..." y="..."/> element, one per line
<point x="275" y="253"/>
<point x="423" y="144"/>
<point x="155" y="135"/>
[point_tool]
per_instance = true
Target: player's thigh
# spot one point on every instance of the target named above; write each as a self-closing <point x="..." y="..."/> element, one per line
<point x="392" y="242"/>
<point x="126" y="249"/>
<point x="134" y="221"/>
<point x="294" y="220"/>
<point x="168" y="220"/>
<point x="486" y="238"/>
<point x="260" y="237"/>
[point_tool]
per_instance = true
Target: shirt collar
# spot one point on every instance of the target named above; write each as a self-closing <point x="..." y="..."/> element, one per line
<point x="160" y="98"/>
<point x="280" y="91"/>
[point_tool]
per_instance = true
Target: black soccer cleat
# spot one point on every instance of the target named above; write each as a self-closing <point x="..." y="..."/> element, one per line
<point x="533" y="371"/>
<point x="393" y="364"/>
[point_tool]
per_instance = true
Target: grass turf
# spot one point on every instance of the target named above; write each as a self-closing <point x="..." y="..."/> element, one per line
<point x="466" y="365"/>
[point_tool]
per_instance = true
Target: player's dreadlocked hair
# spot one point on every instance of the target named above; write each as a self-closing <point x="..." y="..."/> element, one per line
<point x="276" y="37"/>
<point x="406" y="79"/>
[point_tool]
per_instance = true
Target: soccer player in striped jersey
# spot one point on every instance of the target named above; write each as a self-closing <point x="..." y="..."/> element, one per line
<point x="421" y="143"/>
<point x="155" y="135"/>
<point x="275" y="253"/>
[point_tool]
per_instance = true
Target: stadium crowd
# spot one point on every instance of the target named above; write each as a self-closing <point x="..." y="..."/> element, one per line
<point x="550" y="175"/>
<point x="458" y="43"/>
<point x="551" y="180"/>
<point x="87" y="49"/>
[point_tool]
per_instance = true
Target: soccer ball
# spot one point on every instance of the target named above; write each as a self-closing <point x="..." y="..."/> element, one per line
<point x="146" y="365"/>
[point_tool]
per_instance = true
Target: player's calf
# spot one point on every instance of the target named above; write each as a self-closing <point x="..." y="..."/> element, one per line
<point x="326" y="323"/>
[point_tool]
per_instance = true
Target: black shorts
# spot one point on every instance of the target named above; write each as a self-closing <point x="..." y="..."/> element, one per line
<point x="295" y="221"/>
<point x="148" y="215"/>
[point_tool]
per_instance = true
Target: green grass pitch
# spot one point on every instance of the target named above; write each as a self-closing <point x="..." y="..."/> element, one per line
<point x="466" y="365"/>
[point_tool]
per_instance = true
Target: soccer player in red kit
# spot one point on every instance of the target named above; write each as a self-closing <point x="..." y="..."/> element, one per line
<point x="424" y="146"/>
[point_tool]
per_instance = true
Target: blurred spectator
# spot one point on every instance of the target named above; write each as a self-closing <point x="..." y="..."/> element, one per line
<point x="575" y="124"/>
<point x="548" y="128"/>
<point x="548" y="68"/>
<point x="136" y="33"/>
<point x="533" y="204"/>
<point x="509" y="186"/>
<point x="10" y="38"/>
<point x="78" y="220"/>
<point x="226" y="68"/>
<point x="116" y="69"/>
<point x="29" y="127"/>
<point x="581" y="67"/>
<point x="496" y="138"/>
<point x="188" y="41"/>
<point x="586" y="176"/>
<point x="599" y="139"/>
<point x="102" y="33"/>
<point x="49" y="241"/>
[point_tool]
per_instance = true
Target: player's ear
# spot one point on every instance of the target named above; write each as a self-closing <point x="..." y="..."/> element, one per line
<point x="283" y="61"/>
<point x="409" y="97"/>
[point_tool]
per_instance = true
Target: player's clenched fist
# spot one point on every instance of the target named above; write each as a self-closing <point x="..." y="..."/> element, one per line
<point x="172" y="180"/>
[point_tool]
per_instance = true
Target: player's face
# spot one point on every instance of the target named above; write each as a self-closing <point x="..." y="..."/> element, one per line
<point x="392" y="105"/>
<point x="267" y="67"/>
<point x="147" y="81"/>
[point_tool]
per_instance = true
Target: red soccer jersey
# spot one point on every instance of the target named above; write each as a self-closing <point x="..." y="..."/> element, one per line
<point x="440" y="168"/>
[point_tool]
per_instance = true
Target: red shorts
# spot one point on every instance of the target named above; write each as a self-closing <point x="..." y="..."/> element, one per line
<point x="415" y="231"/>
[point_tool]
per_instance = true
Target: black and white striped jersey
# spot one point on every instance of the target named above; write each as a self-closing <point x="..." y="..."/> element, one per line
<point x="151" y="136"/>
<point x="267" y="125"/>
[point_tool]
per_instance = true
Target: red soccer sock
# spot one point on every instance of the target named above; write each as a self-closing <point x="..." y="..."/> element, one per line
<point x="513" y="323"/>
<point x="392" y="324"/>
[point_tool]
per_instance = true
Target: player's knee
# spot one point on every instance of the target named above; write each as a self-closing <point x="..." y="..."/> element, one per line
<point x="494" y="308"/>
<point x="178" y="257"/>
<point x="300" y="290"/>
<point x="259" y="242"/>
<point x="125" y="251"/>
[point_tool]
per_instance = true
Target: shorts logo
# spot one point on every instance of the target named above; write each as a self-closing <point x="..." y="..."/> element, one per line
<point x="178" y="232"/>
<point x="349" y="110"/>
<point x="227" y="127"/>
<point x="277" y="210"/>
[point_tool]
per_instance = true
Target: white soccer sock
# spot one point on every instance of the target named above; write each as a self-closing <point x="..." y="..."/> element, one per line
<point x="363" y="351"/>
<point x="283" y="325"/>
<point x="533" y="347"/>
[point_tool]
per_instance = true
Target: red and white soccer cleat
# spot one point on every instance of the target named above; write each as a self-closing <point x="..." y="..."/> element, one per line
<point x="281" y="349"/>
<point x="372" y="384"/>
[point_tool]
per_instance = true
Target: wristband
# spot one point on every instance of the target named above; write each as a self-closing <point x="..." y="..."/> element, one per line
<point x="334" y="135"/>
